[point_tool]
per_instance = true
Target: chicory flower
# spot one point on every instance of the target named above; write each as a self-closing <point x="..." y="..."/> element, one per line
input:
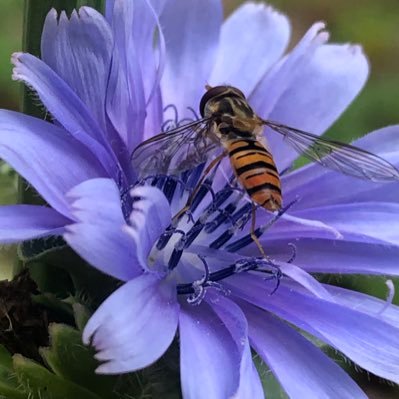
<point x="108" y="84"/>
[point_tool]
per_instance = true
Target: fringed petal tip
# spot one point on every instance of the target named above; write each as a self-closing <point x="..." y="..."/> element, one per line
<point x="262" y="24"/>
<point x="16" y="61"/>
<point x="116" y="330"/>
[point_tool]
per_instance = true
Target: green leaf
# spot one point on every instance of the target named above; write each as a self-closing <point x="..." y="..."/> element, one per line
<point x="56" y="308"/>
<point x="40" y="383"/>
<point x="162" y="379"/>
<point x="82" y="315"/>
<point x="62" y="272"/>
<point x="34" y="249"/>
<point x="9" y="385"/>
<point x="51" y="279"/>
<point x="271" y="386"/>
<point x="73" y="361"/>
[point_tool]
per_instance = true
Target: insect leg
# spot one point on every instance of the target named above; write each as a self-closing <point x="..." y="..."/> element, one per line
<point x="206" y="172"/>
<point x="253" y="235"/>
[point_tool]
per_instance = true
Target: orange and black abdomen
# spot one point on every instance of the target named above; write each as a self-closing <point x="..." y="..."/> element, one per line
<point x="256" y="171"/>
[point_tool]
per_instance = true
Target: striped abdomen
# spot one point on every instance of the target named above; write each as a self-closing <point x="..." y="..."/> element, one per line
<point x="256" y="171"/>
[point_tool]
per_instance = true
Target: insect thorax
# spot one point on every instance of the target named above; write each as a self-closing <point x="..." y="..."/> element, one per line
<point x="233" y="117"/>
<point x="230" y="113"/>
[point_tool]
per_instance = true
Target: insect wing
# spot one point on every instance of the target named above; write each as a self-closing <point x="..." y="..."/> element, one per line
<point x="175" y="151"/>
<point x="338" y="156"/>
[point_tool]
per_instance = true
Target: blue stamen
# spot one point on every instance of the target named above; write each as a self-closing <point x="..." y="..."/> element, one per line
<point x="171" y="123"/>
<point x="294" y="252"/>
<point x="224" y="214"/>
<point x="169" y="189"/>
<point x="247" y="239"/>
<point x="202" y="192"/>
<point x="199" y="286"/>
<point x="243" y="242"/>
<point x="192" y="110"/>
<point x="243" y="211"/>
<point x="193" y="233"/>
<point x="222" y="239"/>
<point x="175" y="258"/>
<point x="192" y="176"/>
<point x="221" y="196"/>
<point x="165" y="237"/>
<point x="197" y="289"/>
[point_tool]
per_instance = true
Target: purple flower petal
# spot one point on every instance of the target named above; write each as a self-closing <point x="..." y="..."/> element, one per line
<point x="368" y="341"/>
<point x="134" y="326"/>
<point x="317" y="255"/>
<point x="305" y="280"/>
<point x="191" y="33"/>
<point x="150" y="217"/>
<point x="98" y="236"/>
<point x="372" y="219"/>
<point x="47" y="156"/>
<point x="365" y="303"/>
<point x="320" y="90"/>
<point x="212" y="357"/>
<point x="251" y="23"/>
<point x="234" y="319"/>
<point x="383" y="142"/>
<point x="152" y="61"/>
<point x="303" y="370"/>
<point x="73" y="115"/>
<point x="125" y="101"/>
<point x="23" y="222"/>
<point x="79" y="50"/>
<point x="276" y="82"/>
<point x="291" y="225"/>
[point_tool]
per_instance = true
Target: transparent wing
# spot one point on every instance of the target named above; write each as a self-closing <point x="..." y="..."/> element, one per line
<point x="338" y="156"/>
<point x="175" y="151"/>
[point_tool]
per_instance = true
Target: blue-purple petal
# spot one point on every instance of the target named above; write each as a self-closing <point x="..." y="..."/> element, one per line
<point x="125" y="102"/>
<point x="303" y="370"/>
<point x="365" y="303"/>
<point x="320" y="89"/>
<point x="72" y="114"/>
<point x="150" y="217"/>
<point x="134" y="326"/>
<point x="24" y="222"/>
<point x="79" y="50"/>
<point x="237" y="63"/>
<point x="47" y="156"/>
<point x="202" y="335"/>
<point x="378" y="220"/>
<point x="99" y="236"/>
<point x="304" y="279"/>
<point x="191" y="32"/>
<point x="233" y="318"/>
<point x="369" y="341"/>
<point x="279" y="78"/>
<point x="318" y="255"/>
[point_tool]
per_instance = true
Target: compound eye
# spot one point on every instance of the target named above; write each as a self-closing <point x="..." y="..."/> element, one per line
<point x="211" y="93"/>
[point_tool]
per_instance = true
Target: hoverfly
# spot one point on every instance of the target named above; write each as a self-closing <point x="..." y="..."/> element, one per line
<point x="229" y="127"/>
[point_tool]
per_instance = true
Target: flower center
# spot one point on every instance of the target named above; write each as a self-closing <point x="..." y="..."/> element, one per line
<point x="200" y="245"/>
